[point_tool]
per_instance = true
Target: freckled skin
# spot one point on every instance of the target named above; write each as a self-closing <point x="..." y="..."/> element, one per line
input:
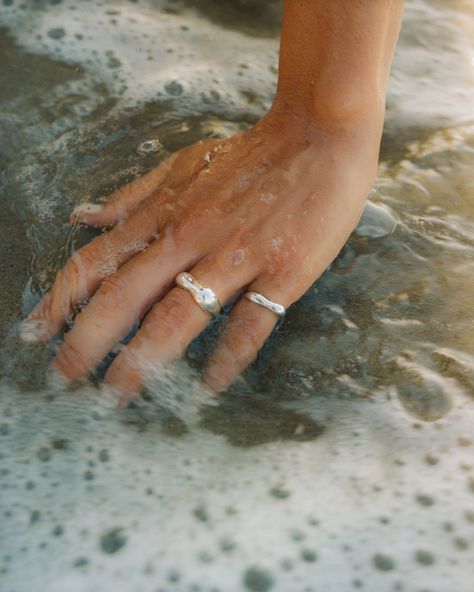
<point x="267" y="210"/>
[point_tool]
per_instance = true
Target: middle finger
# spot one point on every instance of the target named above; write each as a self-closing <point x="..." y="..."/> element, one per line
<point x="171" y="325"/>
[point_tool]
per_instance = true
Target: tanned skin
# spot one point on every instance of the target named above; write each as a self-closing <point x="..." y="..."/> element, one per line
<point x="267" y="210"/>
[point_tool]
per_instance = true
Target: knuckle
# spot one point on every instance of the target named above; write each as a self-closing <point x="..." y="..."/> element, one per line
<point x="71" y="361"/>
<point x="194" y="223"/>
<point x="242" y="341"/>
<point x="171" y="316"/>
<point x="86" y="257"/>
<point x="189" y="226"/>
<point x="235" y="357"/>
<point x="113" y="294"/>
<point x="249" y="332"/>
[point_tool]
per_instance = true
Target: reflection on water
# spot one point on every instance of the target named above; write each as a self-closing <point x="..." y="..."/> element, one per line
<point x="343" y="459"/>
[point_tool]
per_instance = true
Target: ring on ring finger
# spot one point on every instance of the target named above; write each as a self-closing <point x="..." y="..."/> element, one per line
<point x="277" y="309"/>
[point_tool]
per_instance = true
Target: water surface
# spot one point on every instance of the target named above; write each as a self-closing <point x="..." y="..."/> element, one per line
<point x="344" y="458"/>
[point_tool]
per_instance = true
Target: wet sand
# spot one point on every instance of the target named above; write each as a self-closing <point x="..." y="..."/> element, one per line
<point x="14" y="258"/>
<point x="22" y="75"/>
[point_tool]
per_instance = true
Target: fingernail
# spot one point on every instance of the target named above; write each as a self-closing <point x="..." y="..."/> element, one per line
<point x="33" y="330"/>
<point x="86" y="208"/>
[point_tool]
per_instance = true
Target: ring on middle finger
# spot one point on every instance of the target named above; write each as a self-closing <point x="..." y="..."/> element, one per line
<point x="202" y="295"/>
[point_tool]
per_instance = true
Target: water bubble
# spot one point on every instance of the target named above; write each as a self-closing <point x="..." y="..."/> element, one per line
<point x="424" y="557"/>
<point x="56" y="33"/>
<point x="104" y="455"/>
<point x="174" y="89"/>
<point x="431" y="459"/>
<point x="376" y="221"/>
<point x="308" y="555"/>
<point x="113" y="540"/>
<point x="81" y="562"/>
<point x="174" y="575"/>
<point x="383" y="562"/>
<point x="257" y="579"/>
<point x="425" y="500"/>
<point x="227" y="545"/>
<point x="279" y="492"/>
<point x="113" y="62"/>
<point x="44" y="454"/>
<point x="461" y="543"/>
<point x="201" y="513"/>
<point x="58" y="531"/>
<point x="151" y="146"/>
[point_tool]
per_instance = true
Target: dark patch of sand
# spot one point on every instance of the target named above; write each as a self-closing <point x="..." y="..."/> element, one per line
<point x="14" y="258"/>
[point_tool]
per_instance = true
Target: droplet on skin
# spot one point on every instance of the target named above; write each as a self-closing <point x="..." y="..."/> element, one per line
<point x="276" y="243"/>
<point x="264" y="166"/>
<point x="267" y="197"/>
<point x="242" y="185"/>
<point x="134" y="246"/>
<point x="108" y="267"/>
<point x="238" y="257"/>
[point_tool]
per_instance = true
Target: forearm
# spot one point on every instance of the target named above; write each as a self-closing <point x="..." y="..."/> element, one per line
<point x="335" y="57"/>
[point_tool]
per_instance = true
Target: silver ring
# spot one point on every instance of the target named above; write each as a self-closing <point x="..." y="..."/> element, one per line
<point x="202" y="295"/>
<point x="278" y="309"/>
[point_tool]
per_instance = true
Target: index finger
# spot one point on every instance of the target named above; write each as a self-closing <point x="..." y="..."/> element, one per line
<point x="87" y="268"/>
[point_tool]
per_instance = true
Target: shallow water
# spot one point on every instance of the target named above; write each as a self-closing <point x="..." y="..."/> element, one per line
<point x="344" y="459"/>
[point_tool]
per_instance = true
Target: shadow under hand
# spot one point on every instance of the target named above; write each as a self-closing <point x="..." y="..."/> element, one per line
<point x="248" y="421"/>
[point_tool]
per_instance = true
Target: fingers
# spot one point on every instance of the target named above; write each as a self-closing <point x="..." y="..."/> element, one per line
<point x="87" y="268"/>
<point x="122" y="201"/>
<point x="169" y="327"/>
<point x="176" y="170"/>
<point x="246" y="331"/>
<point x="119" y="302"/>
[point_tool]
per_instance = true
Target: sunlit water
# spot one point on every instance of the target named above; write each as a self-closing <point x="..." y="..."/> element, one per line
<point x="345" y="457"/>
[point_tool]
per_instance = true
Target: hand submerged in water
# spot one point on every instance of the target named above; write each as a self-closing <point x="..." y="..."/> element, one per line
<point x="265" y="211"/>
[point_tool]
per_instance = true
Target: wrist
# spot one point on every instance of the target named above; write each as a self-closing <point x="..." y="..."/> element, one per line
<point x="330" y="108"/>
<point x="335" y="59"/>
<point x="295" y="121"/>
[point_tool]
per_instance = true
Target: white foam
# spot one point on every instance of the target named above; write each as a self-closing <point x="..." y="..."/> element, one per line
<point x="143" y="53"/>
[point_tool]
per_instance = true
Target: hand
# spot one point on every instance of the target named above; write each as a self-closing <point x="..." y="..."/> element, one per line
<point x="267" y="211"/>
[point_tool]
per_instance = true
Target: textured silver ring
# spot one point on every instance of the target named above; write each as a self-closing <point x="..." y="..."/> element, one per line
<point x="277" y="309"/>
<point x="202" y="295"/>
